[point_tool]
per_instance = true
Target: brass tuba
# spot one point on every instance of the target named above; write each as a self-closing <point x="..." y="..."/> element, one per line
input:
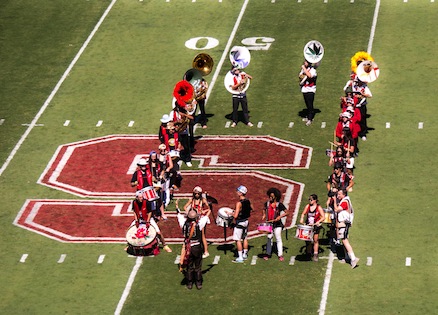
<point x="202" y="65"/>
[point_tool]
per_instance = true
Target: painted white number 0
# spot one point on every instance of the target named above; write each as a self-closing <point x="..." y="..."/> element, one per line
<point x="193" y="43"/>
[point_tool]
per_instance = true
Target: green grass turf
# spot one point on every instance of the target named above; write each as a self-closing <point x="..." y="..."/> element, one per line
<point x="128" y="73"/>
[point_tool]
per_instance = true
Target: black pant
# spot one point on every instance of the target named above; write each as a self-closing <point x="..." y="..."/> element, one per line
<point x="363" y="120"/>
<point x="308" y="99"/>
<point x="202" y="117"/>
<point x="240" y="100"/>
<point x="194" y="268"/>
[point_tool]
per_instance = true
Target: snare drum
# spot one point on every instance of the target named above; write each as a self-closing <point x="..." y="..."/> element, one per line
<point x="224" y="216"/>
<point x="304" y="233"/>
<point x="142" y="241"/>
<point x="265" y="228"/>
<point x="150" y="194"/>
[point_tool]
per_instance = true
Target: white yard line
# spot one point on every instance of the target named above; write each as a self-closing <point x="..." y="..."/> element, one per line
<point x="323" y="303"/>
<point x="55" y="90"/>
<point x="125" y="294"/>
<point x="226" y="50"/>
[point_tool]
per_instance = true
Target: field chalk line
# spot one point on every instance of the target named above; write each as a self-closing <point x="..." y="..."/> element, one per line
<point x="55" y="90"/>
<point x="125" y="294"/>
<point x="323" y="303"/>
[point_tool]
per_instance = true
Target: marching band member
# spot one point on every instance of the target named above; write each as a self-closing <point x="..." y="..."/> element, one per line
<point x="274" y="211"/>
<point x="344" y="219"/>
<point x="201" y="98"/>
<point x="166" y="162"/>
<point x="240" y="223"/>
<point x="200" y="204"/>
<point x="139" y="178"/>
<point x="314" y="216"/>
<point x="239" y="80"/>
<point x="181" y="120"/>
<point x="191" y="253"/>
<point x="308" y="88"/>
<point x="144" y="213"/>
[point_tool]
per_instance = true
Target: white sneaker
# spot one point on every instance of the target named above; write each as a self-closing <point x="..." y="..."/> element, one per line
<point x="354" y="263"/>
<point x="238" y="261"/>
<point x="245" y="257"/>
<point x="249" y="124"/>
<point x="308" y="123"/>
<point x="189" y="164"/>
<point x="364" y="138"/>
<point x="205" y="255"/>
<point x="233" y="125"/>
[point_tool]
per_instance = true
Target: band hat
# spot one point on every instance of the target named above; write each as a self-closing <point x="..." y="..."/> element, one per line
<point x="162" y="146"/>
<point x="165" y="119"/>
<point x="242" y="189"/>
<point x="346" y="114"/>
<point x="138" y="193"/>
<point x="197" y="189"/>
<point x="142" y="162"/>
<point x="350" y="109"/>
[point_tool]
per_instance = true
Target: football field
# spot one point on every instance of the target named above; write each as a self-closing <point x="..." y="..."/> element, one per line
<point x="83" y="85"/>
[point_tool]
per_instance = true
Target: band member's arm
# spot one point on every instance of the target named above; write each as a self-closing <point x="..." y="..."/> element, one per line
<point x="306" y="209"/>
<point x="169" y="164"/>
<point x="306" y="72"/>
<point x="283" y="212"/>
<point x="134" y="181"/>
<point x="188" y="205"/>
<point x="264" y="213"/>
<point x="206" y="208"/>
<point x="321" y="215"/>
<point x="237" y="211"/>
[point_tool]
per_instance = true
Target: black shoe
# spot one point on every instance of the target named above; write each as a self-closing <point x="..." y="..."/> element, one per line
<point x="198" y="285"/>
<point x="189" y="285"/>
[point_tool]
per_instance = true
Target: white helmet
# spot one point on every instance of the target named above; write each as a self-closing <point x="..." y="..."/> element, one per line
<point x="242" y="189"/>
<point x="142" y="162"/>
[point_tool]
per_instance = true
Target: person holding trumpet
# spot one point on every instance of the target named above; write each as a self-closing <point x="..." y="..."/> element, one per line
<point x="314" y="216"/>
<point x="274" y="212"/>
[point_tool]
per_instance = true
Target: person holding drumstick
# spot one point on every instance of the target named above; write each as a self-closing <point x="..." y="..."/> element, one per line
<point x="240" y="223"/>
<point x="314" y="217"/>
<point x="274" y="212"/>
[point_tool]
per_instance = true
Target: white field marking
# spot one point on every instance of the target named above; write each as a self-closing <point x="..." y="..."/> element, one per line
<point x="323" y="124"/>
<point x="177" y="259"/>
<point x="388" y="125"/>
<point x="101" y="259"/>
<point x="99" y="123"/>
<point x="292" y="261"/>
<point x="2" y="121"/>
<point x="291" y="124"/>
<point x="125" y="294"/>
<point x="62" y="258"/>
<point x="299" y="1"/>
<point x="351" y="1"/>
<point x="373" y="27"/>
<point x="369" y="261"/>
<point x="405" y="1"/>
<point x="254" y="260"/>
<point x="420" y="125"/>
<point x="55" y="90"/>
<point x="260" y="124"/>
<point x="325" y="1"/>
<point x="66" y="123"/>
<point x="23" y="258"/>
<point x="131" y="123"/>
<point x="328" y="275"/>
<point x="226" y="51"/>
<point x="408" y="261"/>
<point x="216" y="260"/>
<point x="227" y="124"/>
<point x="36" y="125"/>
<point x="272" y="1"/>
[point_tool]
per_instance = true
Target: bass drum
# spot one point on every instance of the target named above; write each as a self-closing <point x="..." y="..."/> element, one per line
<point x="142" y="241"/>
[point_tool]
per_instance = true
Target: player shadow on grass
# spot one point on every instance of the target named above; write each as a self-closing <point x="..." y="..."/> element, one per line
<point x="239" y="116"/>
<point x="303" y="113"/>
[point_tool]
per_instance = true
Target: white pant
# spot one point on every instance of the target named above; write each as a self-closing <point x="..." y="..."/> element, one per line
<point x="277" y="233"/>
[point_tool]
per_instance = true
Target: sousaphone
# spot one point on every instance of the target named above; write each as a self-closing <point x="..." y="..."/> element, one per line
<point x="240" y="57"/>
<point x="367" y="71"/>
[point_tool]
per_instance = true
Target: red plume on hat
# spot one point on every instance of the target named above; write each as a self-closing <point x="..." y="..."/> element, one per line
<point x="183" y="92"/>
